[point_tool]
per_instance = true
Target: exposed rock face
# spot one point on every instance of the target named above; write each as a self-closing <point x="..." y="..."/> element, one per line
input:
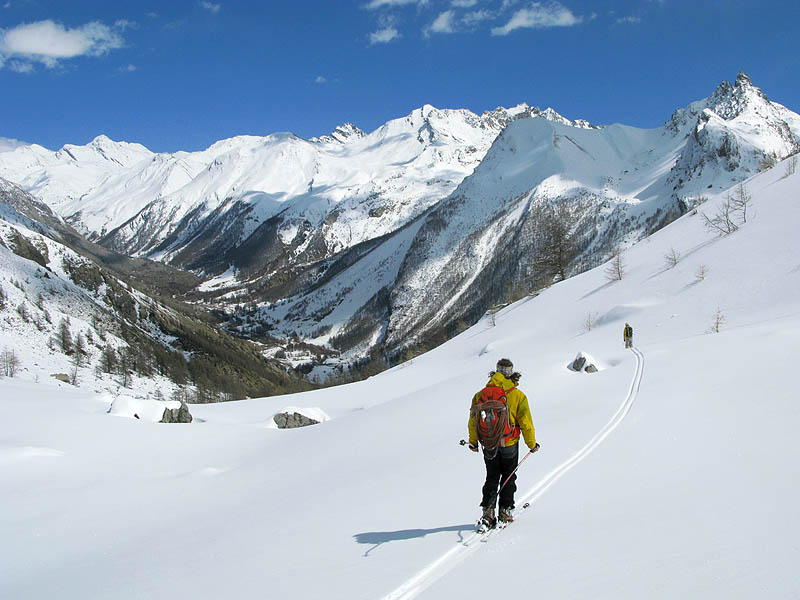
<point x="583" y="363"/>
<point x="177" y="415"/>
<point x="292" y="420"/>
<point x="579" y="363"/>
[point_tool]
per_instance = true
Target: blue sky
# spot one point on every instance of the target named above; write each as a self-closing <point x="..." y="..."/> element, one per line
<point x="181" y="75"/>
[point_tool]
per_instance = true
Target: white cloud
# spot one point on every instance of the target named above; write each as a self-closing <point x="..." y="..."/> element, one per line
<point x="210" y="6"/>
<point x="444" y="23"/>
<point x="7" y="144"/>
<point x="19" y="66"/>
<point x="452" y="21"/>
<point x="373" y="4"/>
<point x="384" y="36"/>
<point x="477" y="16"/>
<point x="123" y="24"/>
<point x="49" y="42"/>
<point x="128" y="69"/>
<point x="321" y="79"/>
<point x="463" y="3"/>
<point x="539" y="16"/>
<point x="629" y="20"/>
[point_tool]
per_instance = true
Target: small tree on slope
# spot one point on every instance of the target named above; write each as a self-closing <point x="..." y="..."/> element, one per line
<point x="615" y="271"/>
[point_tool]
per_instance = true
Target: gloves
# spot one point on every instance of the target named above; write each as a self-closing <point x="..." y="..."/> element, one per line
<point x="535" y="448"/>
<point x="473" y="447"/>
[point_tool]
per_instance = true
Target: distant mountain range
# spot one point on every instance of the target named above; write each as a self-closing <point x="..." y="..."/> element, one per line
<point x="376" y="244"/>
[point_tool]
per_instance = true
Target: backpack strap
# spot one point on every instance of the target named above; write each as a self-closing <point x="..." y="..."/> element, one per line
<point x="515" y="431"/>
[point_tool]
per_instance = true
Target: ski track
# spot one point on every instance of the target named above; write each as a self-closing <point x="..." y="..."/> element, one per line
<point x="438" y="568"/>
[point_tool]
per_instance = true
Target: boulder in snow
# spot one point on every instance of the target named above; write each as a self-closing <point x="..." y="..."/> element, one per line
<point x="291" y="418"/>
<point x="584" y="363"/>
<point x="177" y="415"/>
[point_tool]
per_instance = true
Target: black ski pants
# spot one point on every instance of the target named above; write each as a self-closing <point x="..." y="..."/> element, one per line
<point x="498" y="469"/>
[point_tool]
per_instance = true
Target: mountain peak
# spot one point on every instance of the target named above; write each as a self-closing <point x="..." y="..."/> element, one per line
<point x="743" y="79"/>
<point x="342" y="134"/>
<point x="729" y="101"/>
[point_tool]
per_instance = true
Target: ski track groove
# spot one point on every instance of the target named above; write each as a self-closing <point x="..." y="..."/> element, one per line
<point x="438" y="568"/>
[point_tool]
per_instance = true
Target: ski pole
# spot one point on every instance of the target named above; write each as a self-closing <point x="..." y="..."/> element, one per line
<point x="524" y="458"/>
<point x="465" y="443"/>
<point x="519" y="464"/>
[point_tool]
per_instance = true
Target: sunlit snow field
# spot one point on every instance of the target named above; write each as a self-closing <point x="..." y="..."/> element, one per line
<point x="692" y="492"/>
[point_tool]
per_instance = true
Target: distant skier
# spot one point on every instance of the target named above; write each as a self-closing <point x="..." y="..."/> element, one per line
<point x="498" y="414"/>
<point x="627" y="336"/>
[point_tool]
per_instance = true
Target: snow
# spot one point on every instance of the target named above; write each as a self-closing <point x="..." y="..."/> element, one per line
<point x="220" y="281"/>
<point x="670" y="473"/>
<point x="138" y="408"/>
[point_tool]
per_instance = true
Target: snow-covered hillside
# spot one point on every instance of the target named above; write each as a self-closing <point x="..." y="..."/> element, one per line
<point x="359" y="186"/>
<point x="617" y="185"/>
<point x="52" y="325"/>
<point x="669" y="473"/>
<point x="81" y="313"/>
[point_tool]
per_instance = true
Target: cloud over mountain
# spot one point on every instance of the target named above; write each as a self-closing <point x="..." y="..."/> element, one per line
<point x="48" y="42"/>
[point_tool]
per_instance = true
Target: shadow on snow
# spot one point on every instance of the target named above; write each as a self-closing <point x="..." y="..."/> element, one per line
<point x="376" y="538"/>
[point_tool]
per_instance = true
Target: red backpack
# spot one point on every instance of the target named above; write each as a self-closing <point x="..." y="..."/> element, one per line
<point x="491" y="419"/>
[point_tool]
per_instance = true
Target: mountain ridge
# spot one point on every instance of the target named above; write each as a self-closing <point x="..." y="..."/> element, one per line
<point x="445" y="205"/>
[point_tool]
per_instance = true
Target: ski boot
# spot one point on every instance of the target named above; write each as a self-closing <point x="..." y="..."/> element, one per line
<point x="487" y="520"/>
<point x="506" y="515"/>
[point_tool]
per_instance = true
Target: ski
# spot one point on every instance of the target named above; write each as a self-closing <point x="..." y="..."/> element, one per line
<point x="502" y="525"/>
<point x="483" y="532"/>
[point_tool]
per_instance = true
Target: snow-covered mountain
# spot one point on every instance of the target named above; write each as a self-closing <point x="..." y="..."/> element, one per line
<point x="308" y="199"/>
<point x="667" y="474"/>
<point x="614" y="185"/>
<point x="400" y="238"/>
<point x="71" y="309"/>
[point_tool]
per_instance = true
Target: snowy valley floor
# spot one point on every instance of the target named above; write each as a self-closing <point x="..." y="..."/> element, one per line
<point x="669" y="473"/>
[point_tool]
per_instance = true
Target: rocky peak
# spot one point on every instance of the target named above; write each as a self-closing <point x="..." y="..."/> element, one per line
<point x="743" y="79"/>
<point x="501" y="117"/>
<point x="342" y="134"/>
<point x="729" y="101"/>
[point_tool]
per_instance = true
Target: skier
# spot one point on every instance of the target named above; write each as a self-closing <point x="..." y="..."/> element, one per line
<point x="501" y="460"/>
<point x="627" y="336"/>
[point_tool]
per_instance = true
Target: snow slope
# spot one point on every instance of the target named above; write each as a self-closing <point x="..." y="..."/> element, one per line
<point x="670" y="473"/>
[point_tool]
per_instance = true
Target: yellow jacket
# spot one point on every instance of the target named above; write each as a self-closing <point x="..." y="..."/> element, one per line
<point x="519" y="413"/>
